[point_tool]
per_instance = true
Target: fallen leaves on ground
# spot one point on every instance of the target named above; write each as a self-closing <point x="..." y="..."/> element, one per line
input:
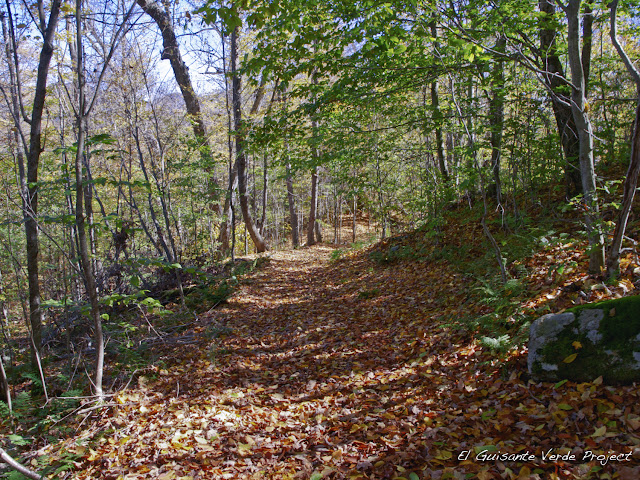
<point x="346" y="369"/>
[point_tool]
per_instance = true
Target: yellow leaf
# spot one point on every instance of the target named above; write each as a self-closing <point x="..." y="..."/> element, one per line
<point x="600" y="431"/>
<point x="577" y="345"/>
<point x="598" y="381"/>
<point x="444" y="455"/>
<point x="93" y="455"/>
<point x="570" y="358"/>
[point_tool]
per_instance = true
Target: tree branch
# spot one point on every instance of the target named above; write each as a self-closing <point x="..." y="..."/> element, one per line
<point x="8" y="459"/>
<point x="633" y="71"/>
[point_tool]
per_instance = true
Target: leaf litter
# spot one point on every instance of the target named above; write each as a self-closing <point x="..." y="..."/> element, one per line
<point x="351" y="370"/>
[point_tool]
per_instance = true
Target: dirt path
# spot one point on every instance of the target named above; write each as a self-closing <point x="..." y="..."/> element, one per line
<point x="334" y="369"/>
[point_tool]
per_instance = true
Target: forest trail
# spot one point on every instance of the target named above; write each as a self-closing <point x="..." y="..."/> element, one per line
<point x="341" y="368"/>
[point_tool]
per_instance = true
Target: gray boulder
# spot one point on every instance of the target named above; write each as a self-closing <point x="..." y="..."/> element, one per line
<point x="585" y="342"/>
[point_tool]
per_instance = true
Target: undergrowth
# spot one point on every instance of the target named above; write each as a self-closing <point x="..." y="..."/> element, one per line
<point x="541" y="252"/>
<point x="133" y="337"/>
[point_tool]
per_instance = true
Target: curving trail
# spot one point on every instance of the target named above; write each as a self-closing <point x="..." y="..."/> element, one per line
<point x="346" y="369"/>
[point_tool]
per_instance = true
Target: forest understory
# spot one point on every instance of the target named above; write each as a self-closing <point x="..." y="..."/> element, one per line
<point x="384" y="361"/>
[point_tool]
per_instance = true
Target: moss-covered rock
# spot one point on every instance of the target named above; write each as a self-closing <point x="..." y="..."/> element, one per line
<point x="601" y="339"/>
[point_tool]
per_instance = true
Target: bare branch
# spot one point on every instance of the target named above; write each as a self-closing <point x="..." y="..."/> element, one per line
<point x="633" y="71"/>
<point x="8" y="459"/>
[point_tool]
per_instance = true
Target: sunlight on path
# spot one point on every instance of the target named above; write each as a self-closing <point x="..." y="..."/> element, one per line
<point x="333" y="369"/>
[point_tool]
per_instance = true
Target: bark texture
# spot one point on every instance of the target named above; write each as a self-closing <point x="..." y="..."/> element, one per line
<point x="30" y="188"/>
<point x="585" y="137"/>
<point x="560" y="101"/>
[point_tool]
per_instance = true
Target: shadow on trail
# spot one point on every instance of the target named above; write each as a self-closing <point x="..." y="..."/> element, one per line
<point x="348" y="369"/>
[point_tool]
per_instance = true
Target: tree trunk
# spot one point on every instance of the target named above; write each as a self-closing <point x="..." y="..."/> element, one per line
<point x="228" y="220"/>
<point x="437" y="114"/>
<point x="29" y="188"/>
<point x="438" y="119"/>
<point x="82" y="206"/>
<point x="265" y="186"/>
<point x="241" y="159"/>
<point x="293" y="217"/>
<point x="171" y="52"/>
<point x="496" y="116"/>
<point x="560" y="102"/>
<point x="585" y="136"/>
<point x="313" y="207"/>
<point x="631" y="180"/>
<point x="353" y="219"/>
<point x="318" y="231"/>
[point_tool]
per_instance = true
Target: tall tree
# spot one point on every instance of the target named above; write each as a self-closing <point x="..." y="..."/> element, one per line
<point x="631" y="179"/>
<point x="579" y="110"/>
<point x="161" y="15"/>
<point x="557" y="82"/>
<point x="33" y="148"/>
<point x="83" y="183"/>
<point x="438" y="117"/>
<point x="496" y="115"/>
<point x="241" y="158"/>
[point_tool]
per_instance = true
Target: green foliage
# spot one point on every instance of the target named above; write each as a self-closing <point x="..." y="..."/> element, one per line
<point x="13" y="475"/>
<point x="500" y="297"/>
<point x="18" y="440"/>
<point x="66" y="462"/>
<point x="336" y="254"/>
<point x="204" y="298"/>
<point x="497" y="345"/>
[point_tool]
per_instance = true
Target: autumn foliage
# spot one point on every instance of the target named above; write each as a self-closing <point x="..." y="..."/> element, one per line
<point x="365" y="364"/>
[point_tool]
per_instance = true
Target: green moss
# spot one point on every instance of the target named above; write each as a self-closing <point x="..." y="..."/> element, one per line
<point x="619" y="328"/>
<point x="621" y="317"/>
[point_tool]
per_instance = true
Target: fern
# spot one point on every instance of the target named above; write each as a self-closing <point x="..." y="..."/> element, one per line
<point x="34" y="377"/>
<point x="500" y="344"/>
<point x="22" y="403"/>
